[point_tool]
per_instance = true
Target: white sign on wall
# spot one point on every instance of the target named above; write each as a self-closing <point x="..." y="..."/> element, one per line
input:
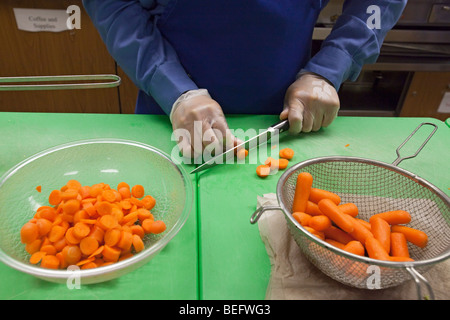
<point x="50" y="20"/>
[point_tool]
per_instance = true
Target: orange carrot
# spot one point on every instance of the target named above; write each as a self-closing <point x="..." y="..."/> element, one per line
<point x="110" y="254"/>
<point x="71" y="254"/>
<point x="37" y="256"/>
<point x="381" y="230"/>
<point x="312" y="209"/>
<point x="125" y="241"/>
<point x="394" y="217"/>
<point x="73" y="184"/>
<point x="55" y="197"/>
<point x="335" y="243"/>
<point x="364" y="223"/>
<point x="44" y="226"/>
<point x="399" y="245"/>
<point x="71" y="206"/>
<point x="331" y="210"/>
<point x="109" y="195"/>
<point x="70" y="237"/>
<point x="286" y="153"/>
<point x="302" y="218"/>
<point x="349" y="208"/>
<point x="320" y="223"/>
<point x="81" y="230"/>
<point x="337" y="234"/>
<point x="56" y="233"/>
<point x="416" y="237"/>
<point x="355" y="247"/>
<point x="375" y="249"/>
<point x="137" y="191"/>
<point x="151" y="226"/>
<point x="33" y="247"/>
<point x="317" y="195"/>
<point x="88" y="245"/>
<point x="138" y="244"/>
<point x="112" y="237"/>
<point x="108" y="222"/>
<point x="39" y="188"/>
<point x="302" y="192"/>
<point x="360" y="232"/>
<point x="50" y="262"/>
<point x="263" y="171"/>
<point x="149" y="202"/>
<point x="242" y="154"/>
<point x="318" y="234"/>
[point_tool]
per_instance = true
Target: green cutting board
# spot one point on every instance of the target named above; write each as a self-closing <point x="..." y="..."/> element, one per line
<point x="172" y="274"/>
<point x="235" y="264"/>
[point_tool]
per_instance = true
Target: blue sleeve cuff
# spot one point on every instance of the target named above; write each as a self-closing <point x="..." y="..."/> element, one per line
<point x="169" y="81"/>
<point x="333" y="64"/>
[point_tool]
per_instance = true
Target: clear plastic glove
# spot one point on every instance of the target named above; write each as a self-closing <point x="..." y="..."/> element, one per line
<point x="310" y="103"/>
<point x="201" y="125"/>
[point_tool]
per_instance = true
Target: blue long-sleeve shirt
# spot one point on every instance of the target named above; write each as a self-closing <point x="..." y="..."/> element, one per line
<point x="246" y="53"/>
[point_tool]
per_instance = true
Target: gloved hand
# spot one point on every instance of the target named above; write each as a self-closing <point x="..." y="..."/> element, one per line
<point x="310" y="103"/>
<point x="200" y="123"/>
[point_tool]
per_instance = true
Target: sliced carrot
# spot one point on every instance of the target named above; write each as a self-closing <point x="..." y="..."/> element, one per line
<point x="48" y="213"/>
<point x="71" y="206"/>
<point x="242" y="154"/>
<point x="84" y="261"/>
<point x="138" y="244"/>
<point x="97" y="252"/>
<point x="37" y="256"/>
<point x="109" y="195"/>
<point x="33" y="247"/>
<point x="69" y="194"/>
<point x="123" y="185"/>
<point x="316" y="195"/>
<point x="416" y="237"/>
<point x="263" y="171"/>
<point x="394" y="217"/>
<point x="50" y="262"/>
<point x="137" y="230"/>
<point x="44" y="226"/>
<point x="110" y="254"/>
<point x="55" y="197"/>
<point x="125" y="241"/>
<point x="88" y="245"/>
<point x="98" y="233"/>
<point x="71" y="254"/>
<point x="149" y="202"/>
<point x="89" y="265"/>
<point x="302" y="191"/>
<point x="70" y="237"/>
<point x="107" y="222"/>
<point x="56" y="233"/>
<point x="104" y="208"/>
<point x="125" y="192"/>
<point x="49" y="249"/>
<point x="39" y="188"/>
<point x="137" y="191"/>
<point x="112" y="237"/>
<point x="81" y="230"/>
<point x="286" y="153"/>
<point x="73" y="184"/>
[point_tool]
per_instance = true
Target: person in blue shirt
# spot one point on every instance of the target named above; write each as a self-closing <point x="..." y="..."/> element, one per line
<point x="197" y="60"/>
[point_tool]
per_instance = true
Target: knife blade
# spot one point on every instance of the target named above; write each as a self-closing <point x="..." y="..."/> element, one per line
<point x="251" y="143"/>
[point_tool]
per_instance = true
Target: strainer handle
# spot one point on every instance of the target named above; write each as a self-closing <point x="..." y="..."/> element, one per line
<point x="400" y="158"/>
<point x="418" y="279"/>
<point x="257" y="214"/>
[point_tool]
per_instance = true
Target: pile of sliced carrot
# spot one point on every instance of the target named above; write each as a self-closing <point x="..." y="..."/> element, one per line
<point x="272" y="164"/>
<point x="90" y="226"/>
<point x="384" y="237"/>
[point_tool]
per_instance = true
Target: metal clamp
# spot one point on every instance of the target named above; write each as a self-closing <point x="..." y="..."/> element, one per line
<point x="114" y="81"/>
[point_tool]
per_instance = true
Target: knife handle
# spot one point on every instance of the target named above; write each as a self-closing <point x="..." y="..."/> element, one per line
<point x="281" y="126"/>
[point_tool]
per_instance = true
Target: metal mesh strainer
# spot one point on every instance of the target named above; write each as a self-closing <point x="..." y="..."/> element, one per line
<point x="374" y="187"/>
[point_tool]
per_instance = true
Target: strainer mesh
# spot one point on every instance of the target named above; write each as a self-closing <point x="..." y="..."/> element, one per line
<point x="374" y="187"/>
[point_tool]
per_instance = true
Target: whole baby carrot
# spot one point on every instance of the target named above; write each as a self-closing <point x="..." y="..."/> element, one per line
<point x="302" y="218"/>
<point x="320" y="223"/>
<point x="302" y="191"/>
<point x="360" y="232"/>
<point x="337" y="234"/>
<point x="312" y="209"/>
<point x="331" y="210"/>
<point x="349" y="208"/>
<point x="399" y="245"/>
<point x="416" y="237"/>
<point x="375" y="249"/>
<point x="393" y="217"/>
<point x="318" y="194"/>
<point x="381" y="230"/>
<point x="355" y="247"/>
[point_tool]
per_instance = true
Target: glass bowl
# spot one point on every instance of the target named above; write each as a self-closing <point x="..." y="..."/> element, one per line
<point x="92" y="161"/>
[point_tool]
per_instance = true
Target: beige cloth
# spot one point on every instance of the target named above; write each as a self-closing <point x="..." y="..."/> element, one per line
<point x="293" y="277"/>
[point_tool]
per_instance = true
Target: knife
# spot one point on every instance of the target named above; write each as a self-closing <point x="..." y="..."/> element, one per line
<point x="249" y="144"/>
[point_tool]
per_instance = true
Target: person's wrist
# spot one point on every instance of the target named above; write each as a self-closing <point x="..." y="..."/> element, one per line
<point x="186" y="96"/>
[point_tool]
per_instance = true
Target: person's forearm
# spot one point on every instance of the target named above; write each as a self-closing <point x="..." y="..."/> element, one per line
<point x="355" y="39"/>
<point x="134" y="41"/>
